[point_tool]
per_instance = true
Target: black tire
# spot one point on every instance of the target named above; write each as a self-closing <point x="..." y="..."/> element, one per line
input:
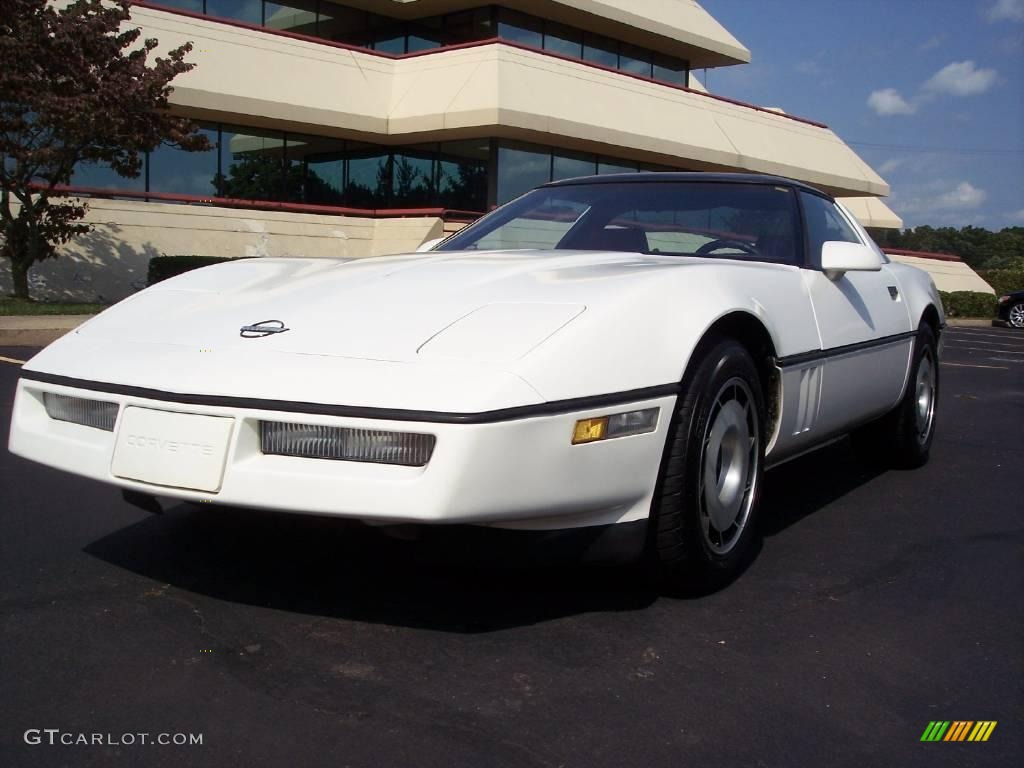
<point x="719" y="418"/>
<point x="903" y="437"/>
<point x="1015" y="315"/>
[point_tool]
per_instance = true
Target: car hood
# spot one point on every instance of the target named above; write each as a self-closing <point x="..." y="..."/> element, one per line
<point x="479" y="306"/>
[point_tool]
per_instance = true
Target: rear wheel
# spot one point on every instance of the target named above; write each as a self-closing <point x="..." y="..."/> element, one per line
<point x="703" y="517"/>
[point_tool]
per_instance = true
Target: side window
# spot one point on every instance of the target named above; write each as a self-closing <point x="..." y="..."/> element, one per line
<point x="824" y="223"/>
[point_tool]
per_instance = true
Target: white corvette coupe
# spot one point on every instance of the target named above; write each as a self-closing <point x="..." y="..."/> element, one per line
<point x="622" y="353"/>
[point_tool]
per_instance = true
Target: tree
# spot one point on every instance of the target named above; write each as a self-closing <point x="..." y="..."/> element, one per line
<point x="75" y="87"/>
<point x="978" y="247"/>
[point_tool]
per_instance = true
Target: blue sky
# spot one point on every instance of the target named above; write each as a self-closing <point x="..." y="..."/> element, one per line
<point x="929" y="92"/>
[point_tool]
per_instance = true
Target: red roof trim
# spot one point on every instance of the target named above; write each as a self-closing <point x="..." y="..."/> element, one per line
<point x="270" y="205"/>
<point x="461" y="46"/>
<point x="923" y="254"/>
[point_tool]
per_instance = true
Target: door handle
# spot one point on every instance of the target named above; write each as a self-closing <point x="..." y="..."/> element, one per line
<point x="894" y="292"/>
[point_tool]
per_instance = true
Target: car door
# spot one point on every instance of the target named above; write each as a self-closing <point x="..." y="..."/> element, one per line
<point x="863" y="324"/>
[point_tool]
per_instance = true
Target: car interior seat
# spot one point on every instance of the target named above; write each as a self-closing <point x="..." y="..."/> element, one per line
<point x="627" y="239"/>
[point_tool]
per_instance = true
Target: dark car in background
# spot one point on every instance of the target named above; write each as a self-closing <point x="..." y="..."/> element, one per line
<point x="1011" y="309"/>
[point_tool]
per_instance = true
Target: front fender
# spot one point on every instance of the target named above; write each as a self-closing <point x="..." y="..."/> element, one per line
<point x="647" y="335"/>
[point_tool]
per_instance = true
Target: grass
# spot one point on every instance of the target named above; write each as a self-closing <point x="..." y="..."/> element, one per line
<point x="11" y="306"/>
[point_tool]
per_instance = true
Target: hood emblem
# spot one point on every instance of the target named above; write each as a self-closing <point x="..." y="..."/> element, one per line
<point x="261" y="329"/>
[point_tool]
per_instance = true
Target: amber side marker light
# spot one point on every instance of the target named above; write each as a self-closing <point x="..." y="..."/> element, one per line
<point x="616" y="425"/>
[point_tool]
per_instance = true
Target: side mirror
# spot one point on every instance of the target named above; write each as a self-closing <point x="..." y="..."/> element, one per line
<point x="838" y="258"/>
<point x="429" y="245"/>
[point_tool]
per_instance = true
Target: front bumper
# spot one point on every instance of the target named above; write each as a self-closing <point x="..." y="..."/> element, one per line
<point x="516" y="473"/>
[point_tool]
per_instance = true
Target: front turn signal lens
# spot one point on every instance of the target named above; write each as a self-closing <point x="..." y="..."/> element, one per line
<point x="590" y="430"/>
<point x="615" y="425"/>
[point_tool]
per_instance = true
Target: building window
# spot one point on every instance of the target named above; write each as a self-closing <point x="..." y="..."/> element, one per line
<point x="412" y="183"/>
<point x="316" y="169"/>
<point x="195" y="6"/>
<point x="671" y="70"/>
<point x="248" y="163"/>
<point x="297" y="16"/>
<point x="342" y="25"/>
<point x="563" y="40"/>
<point x="249" y="11"/>
<point x="422" y="37"/>
<point x="175" y="171"/>
<point x="609" y="165"/>
<point x="521" y="167"/>
<point x="462" y="174"/>
<point x="469" y="26"/>
<point x="252" y="164"/>
<point x="101" y="177"/>
<point x="568" y="165"/>
<point x="519" y="28"/>
<point x="368" y="179"/>
<point x="635" y="60"/>
<point x="601" y="50"/>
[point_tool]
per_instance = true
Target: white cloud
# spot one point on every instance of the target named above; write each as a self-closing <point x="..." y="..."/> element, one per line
<point x="1006" y="10"/>
<point x="888" y="101"/>
<point x="964" y="196"/>
<point x="961" y="78"/>
<point x="941" y="200"/>
<point x="891" y="165"/>
<point x="932" y="42"/>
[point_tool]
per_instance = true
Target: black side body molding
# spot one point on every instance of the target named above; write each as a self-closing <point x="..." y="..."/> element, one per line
<point x="823" y="354"/>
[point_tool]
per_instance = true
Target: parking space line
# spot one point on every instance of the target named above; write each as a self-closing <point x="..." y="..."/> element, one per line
<point x="987" y="334"/>
<point x="957" y="345"/>
<point x="972" y="340"/>
<point x="970" y="365"/>
<point x="11" y="360"/>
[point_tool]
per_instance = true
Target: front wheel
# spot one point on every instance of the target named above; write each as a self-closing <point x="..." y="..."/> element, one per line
<point x="1015" y="316"/>
<point x="903" y="437"/>
<point x="703" y="516"/>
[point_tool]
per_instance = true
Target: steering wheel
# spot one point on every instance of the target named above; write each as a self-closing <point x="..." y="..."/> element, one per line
<point x="725" y="242"/>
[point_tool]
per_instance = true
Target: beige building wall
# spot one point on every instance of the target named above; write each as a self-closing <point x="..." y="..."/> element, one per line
<point x="112" y="261"/>
<point x="872" y="212"/>
<point x="948" y="275"/>
<point x="259" y="79"/>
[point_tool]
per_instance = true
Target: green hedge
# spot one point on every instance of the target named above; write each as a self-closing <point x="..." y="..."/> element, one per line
<point x="1003" y="281"/>
<point x="968" y="304"/>
<point x="163" y="267"/>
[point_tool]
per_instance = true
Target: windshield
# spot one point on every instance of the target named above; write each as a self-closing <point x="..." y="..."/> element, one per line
<point x="721" y="219"/>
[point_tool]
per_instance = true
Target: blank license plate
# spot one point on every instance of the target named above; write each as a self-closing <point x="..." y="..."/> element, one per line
<point x="179" y="450"/>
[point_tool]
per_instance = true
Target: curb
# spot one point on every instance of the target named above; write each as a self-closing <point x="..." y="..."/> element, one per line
<point x="36" y="330"/>
<point x="970" y="322"/>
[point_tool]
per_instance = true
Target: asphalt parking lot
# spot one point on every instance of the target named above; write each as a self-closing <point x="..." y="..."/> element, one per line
<point x="880" y="601"/>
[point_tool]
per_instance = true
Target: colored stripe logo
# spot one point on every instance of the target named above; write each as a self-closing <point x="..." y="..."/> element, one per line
<point x="958" y="730"/>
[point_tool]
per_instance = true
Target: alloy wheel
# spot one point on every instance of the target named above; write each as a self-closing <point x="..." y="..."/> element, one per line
<point x="730" y="454"/>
